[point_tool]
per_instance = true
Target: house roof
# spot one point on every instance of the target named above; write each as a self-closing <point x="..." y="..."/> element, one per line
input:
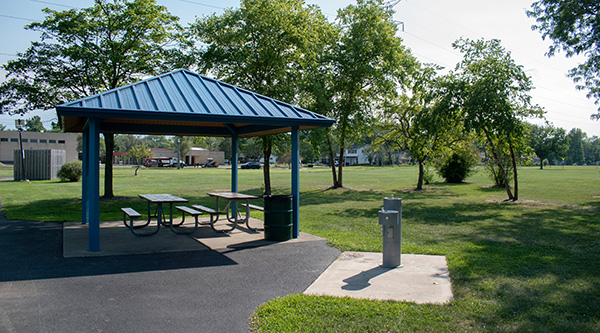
<point x="185" y="103"/>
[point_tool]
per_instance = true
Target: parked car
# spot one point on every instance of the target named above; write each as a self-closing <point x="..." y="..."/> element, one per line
<point x="251" y="165"/>
<point x="163" y="162"/>
<point x="210" y="163"/>
<point x="173" y="163"/>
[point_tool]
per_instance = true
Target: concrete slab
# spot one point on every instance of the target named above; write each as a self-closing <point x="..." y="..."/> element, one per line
<point x="241" y="237"/>
<point x="116" y="239"/>
<point x="421" y="279"/>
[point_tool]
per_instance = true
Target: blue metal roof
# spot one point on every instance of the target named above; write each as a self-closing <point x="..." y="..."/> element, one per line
<point x="185" y="103"/>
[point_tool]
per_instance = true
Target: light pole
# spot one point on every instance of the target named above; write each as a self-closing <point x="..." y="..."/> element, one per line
<point x="19" y="123"/>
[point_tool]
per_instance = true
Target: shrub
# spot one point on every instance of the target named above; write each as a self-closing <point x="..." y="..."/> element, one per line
<point x="495" y="174"/>
<point x="70" y="171"/>
<point x="461" y="164"/>
<point x="427" y="176"/>
<point x="455" y="169"/>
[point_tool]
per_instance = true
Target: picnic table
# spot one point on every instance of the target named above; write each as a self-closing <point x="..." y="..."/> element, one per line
<point x="159" y="200"/>
<point x="230" y="211"/>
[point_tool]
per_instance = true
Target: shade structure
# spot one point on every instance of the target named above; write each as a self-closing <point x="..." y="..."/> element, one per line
<point x="185" y="103"/>
<point x="180" y="103"/>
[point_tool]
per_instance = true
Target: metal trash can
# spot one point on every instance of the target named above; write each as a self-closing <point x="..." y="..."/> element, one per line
<point x="390" y="218"/>
<point x="278" y="217"/>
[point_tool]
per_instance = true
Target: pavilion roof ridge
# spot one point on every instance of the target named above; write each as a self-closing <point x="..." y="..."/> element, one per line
<point x="99" y="97"/>
<point x="191" y="104"/>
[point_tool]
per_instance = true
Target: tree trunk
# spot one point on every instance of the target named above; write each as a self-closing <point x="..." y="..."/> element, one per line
<point x="109" y="140"/>
<point x="421" y="176"/>
<point x="340" y="168"/>
<point x="500" y="166"/>
<point x="515" y="179"/>
<point x="332" y="162"/>
<point x="267" y="168"/>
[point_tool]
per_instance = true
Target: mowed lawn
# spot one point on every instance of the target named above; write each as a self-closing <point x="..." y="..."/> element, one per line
<point x="526" y="266"/>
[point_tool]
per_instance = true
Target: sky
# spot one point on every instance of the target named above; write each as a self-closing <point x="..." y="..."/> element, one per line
<point x="428" y="30"/>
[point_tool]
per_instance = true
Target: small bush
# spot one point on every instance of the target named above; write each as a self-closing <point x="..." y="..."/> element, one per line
<point x="496" y="175"/>
<point x="70" y="171"/>
<point x="456" y="169"/>
<point x="427" y="176"/>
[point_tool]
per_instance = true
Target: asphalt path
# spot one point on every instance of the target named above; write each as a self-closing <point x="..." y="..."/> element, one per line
<point x="198" y="291"/>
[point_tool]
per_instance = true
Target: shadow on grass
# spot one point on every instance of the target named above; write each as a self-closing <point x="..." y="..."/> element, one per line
<point x="538" y="266"/>
<point x="319" y="197"/>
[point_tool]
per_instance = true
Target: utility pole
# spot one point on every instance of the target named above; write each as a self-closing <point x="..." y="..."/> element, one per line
<point x="19" y="124"/>
<point x="178" y="152"/>
<point x="389" y="5"/>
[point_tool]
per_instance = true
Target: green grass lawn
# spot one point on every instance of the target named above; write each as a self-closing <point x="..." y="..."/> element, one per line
<point x="6" y="172"/>
<point x="527" y="266"/>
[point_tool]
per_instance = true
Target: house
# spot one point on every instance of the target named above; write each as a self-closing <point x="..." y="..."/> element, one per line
<point x="355" y="155"/>
<point x="197" y="156"/>
<point x="272" y="160"/>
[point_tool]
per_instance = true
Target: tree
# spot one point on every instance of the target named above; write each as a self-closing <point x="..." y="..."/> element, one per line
<point x="34" y="124"/>
<point x="208" y="142"/>
<point x="251" y="148"/>
<point x="367" y="65"/>
<point x="156" y="141"/>
<point x="86" y="51"/>
<point x="139" y="153"/>
<point x="491" y="93"/>
<point x="547" y="140"/>
<point x="574" y="27"/>
<point x="591" y="148"/>
<point x="414" y="121"/>
<point x="55" y="128"/>
<point x="124" y="142"/>
<point x="307" y="150"/>
<point x="263" y="46"/>
<point x="182" y="145"/>
<point x="575" y="153"/>
<point x="460" y="163"/>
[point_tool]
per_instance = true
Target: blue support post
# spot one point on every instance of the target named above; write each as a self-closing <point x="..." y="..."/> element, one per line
<point x="295" y="182"/>
<point x="93" y="184"/>
<point x="234" y="170"/>
<point x="84" y="174"/>
<point x="234" y="163"/>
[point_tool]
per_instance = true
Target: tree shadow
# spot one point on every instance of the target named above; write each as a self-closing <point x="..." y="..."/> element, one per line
<point x="538" y="266"/>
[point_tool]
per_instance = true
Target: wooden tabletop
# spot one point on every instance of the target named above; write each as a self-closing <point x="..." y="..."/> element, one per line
<point x="233" y="196"/>
<point x="162" y="198"/>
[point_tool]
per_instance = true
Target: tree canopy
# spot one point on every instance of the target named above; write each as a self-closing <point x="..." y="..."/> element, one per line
<point x="139" y="153"/>
<point x="491" y="93"/>
<point x="368" y="66"/>
<point x="264" y="46"/>
<point x="574" y="27"/>
<point x="86" y="51"/>
<point x="547" y="140"/>
<point x="34" y="124"/>
<point x="576" y="152"/>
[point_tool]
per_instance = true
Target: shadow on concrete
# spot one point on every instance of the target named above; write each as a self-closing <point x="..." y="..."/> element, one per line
<point x="33" y="250"/>
<point x="361" y="280"/>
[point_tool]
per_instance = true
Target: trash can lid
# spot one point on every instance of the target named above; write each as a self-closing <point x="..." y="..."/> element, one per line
<point x="277" y="197"/>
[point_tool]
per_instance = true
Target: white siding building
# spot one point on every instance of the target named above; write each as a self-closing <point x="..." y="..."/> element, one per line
<point x="9" y="142"/>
